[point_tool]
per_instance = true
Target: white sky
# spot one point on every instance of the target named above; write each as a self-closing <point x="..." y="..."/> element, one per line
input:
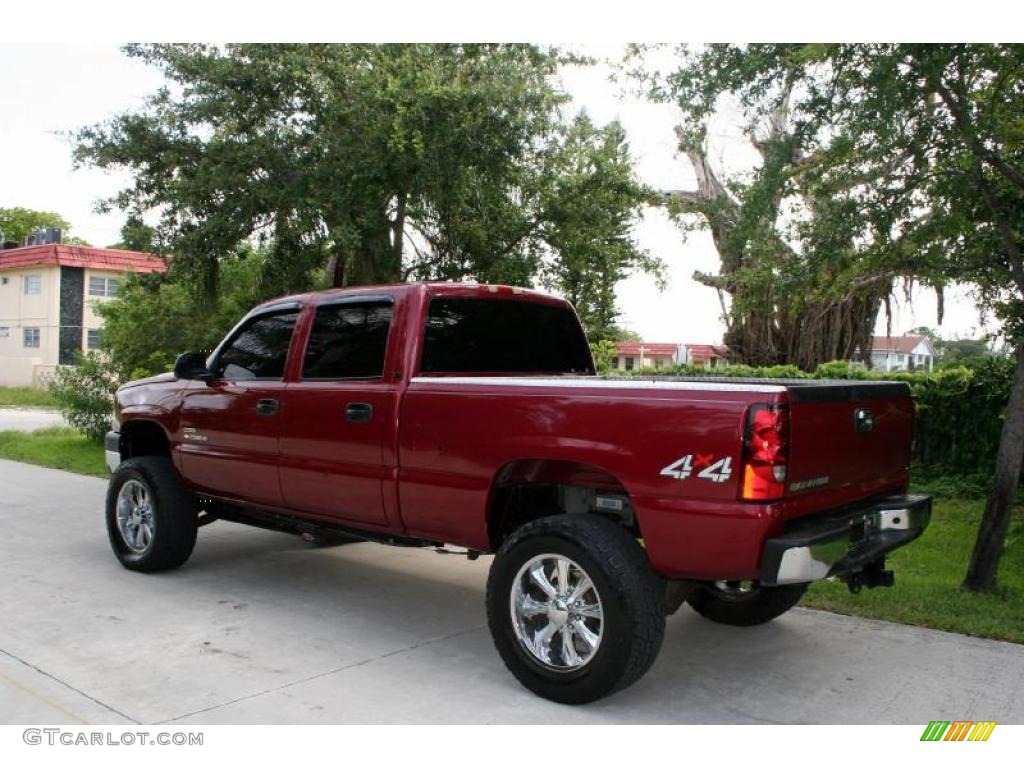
<point x="47" y="90"/>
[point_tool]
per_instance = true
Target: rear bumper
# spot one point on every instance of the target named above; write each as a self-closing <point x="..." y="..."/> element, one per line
<point x="112" y="450"/>
<point x="845" y="541"/>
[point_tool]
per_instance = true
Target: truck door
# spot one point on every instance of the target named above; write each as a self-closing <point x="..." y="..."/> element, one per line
<point x="338" y="413"/>
<point x="231" y="429"/>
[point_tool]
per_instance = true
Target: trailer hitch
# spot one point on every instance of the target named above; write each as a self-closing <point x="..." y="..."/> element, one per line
<point x="872" y="575"/>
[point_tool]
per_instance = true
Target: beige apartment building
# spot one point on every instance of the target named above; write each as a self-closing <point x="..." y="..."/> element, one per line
<point x="47" y="298"/>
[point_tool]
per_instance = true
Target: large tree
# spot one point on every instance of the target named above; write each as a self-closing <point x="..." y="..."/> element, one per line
<point x="796" y="279"/>
<point x="378" y="162"/>
<point x="918" y="151"/>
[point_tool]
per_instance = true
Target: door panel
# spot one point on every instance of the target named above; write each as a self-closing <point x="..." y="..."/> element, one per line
<point x="331" y="464"/>
<point x="339" y="414"/>
<point x="227" y="447"/>
<point x="231" y="429"/>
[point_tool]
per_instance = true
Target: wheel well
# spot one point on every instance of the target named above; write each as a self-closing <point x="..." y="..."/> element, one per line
<point x="530" y="489"/>
<point x="143" y="438"/>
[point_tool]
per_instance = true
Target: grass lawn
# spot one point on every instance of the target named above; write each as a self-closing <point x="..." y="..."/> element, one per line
<point x="57" y="447"/>
<point x="928" y="575"/>
<point x="25" y="397"/>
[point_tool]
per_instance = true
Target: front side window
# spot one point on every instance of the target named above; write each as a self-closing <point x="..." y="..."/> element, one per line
<point x="348" y="341"/>
<point x="33" y="285"/>
<point x="103" y="286"/>
<point x="31" y="337"/>
<point x="259" y="350"/>
<point x="503" y="336"/>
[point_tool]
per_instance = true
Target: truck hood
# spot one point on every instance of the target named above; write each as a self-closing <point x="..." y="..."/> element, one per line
<point x="160" y="378"/>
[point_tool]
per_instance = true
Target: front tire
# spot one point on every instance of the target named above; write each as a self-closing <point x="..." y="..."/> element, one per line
<point x="574" y="609"/>
<point x="744" y="604"/>
<point x="151" y="518"/>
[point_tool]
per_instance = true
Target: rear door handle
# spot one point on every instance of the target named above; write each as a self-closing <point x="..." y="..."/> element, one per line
<point x="267" y="406"/>
<point x="359" y="413"/>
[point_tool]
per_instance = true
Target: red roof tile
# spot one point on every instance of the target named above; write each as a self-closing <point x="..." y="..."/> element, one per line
<point x="706" y="350"/>
<point x="81" y="256"/>
<point x="902" y="344"/>
<point x="648" y="349"/>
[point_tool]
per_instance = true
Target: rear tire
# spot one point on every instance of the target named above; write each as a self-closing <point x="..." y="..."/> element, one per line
<point x="725" y="603"/>
<point x="590" y="623"/>
<point x="151" y="518"/>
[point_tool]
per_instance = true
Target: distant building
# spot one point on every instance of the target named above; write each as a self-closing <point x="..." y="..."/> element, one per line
<point x="46" y="292"/>
<point x="901" y="353"/>
<point x="705" y="355"/>
<point x="633" y="355"/>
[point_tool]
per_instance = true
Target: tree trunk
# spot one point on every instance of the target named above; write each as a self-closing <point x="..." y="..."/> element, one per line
<point x="398" y="228"/>
<point x="995" y="522"/>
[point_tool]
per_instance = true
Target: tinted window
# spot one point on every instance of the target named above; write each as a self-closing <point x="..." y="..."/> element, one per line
<point x="348" y="342"/>
<point x="260" y="349"/>
<point x="500" y="336"/>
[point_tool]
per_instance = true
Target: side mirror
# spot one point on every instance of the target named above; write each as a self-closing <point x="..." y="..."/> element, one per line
<point x="192" y="365"/>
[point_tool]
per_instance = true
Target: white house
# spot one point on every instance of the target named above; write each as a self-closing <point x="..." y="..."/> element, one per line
<point x="902" y="353"/>
<point x="47" y="294"/>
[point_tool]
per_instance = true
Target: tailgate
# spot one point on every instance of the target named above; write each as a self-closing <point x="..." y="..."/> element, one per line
<point x="848" y="437"/>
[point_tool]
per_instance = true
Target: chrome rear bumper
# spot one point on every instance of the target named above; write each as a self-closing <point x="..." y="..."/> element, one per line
<point x="843" y="542"/>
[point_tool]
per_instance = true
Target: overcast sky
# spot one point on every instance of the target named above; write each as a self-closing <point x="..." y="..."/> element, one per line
<point x="47" y="90"/>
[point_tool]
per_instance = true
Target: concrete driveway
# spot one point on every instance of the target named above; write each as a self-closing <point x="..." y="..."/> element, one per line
<point x="260" y="628"/>
<point x="28" y="419"/>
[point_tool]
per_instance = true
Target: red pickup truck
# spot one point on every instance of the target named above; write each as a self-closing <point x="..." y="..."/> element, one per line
<point x="436" y="414"/>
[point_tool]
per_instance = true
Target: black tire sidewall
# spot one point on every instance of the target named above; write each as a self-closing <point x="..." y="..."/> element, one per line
<point x="175" y="515"/>
<point x="604" y="673"/>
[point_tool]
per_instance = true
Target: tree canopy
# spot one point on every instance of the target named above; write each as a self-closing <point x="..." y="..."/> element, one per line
<point x="376" y="162"/>
<point x="18" y="223"/>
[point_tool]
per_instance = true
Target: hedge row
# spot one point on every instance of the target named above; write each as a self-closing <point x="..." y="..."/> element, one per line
<point x="959" y="410"/>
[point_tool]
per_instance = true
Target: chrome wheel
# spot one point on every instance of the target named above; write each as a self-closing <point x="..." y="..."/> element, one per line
<point x="135" y="516"/>
<point x="556" y="612"/>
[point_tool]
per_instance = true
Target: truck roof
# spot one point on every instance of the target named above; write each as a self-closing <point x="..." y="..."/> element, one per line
<point x="433" y="287"/>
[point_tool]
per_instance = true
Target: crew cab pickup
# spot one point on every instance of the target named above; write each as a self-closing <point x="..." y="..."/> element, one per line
<point x="445" y="414"/>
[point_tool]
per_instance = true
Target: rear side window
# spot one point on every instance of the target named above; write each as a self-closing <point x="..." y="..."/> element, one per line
<point x="260" y="349"/>
<point x="502" y="336"/>
<point x="348" y="341"/>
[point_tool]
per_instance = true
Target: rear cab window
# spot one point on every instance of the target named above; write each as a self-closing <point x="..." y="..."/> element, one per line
<point x="503" y="336"/>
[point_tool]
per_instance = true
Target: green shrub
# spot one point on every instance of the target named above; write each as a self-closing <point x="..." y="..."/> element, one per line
<point x="85" y="394"/>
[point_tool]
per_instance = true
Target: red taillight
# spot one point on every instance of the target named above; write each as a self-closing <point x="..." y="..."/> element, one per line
<point x="765" y="453"/>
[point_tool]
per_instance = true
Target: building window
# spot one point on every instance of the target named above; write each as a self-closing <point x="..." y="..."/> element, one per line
<point x="33" y="285"/>
<point x="629" y="363"/>
<point x="103" y="286"/>
<point x="31" y="336"/>
<point x="615" y="363"/>
<point x="92" y="338"/>
<point x="4" y="332"/>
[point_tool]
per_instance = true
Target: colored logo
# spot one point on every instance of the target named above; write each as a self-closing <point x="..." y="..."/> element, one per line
<point x="958" y="730"/>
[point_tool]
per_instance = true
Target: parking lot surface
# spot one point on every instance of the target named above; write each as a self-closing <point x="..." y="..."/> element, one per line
<point x="259" y="627"/>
